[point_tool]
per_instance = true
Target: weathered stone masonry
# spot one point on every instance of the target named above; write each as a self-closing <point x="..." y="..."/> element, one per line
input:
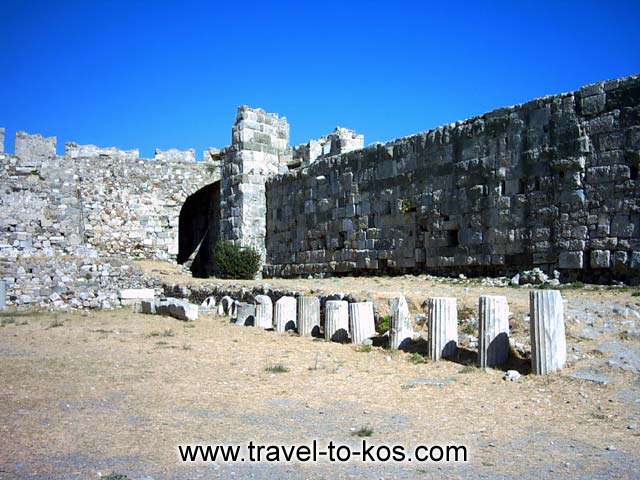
<point x="551" y="183"/>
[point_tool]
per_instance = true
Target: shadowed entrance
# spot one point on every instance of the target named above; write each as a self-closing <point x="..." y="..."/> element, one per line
<point x="198" y="229"/>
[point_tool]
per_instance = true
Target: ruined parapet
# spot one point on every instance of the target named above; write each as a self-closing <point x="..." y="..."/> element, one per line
<point x="175" y="155"/>
<point x="34" y="149"/>
<point x="74" y="150"/>
<point x="341" y="140"/>
<point x="548" y="340"/>
<point x="1" y="140"/>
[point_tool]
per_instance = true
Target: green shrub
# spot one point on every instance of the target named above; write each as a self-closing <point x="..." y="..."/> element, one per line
<point x="384" y="324"/>
<point x="233" y="261"/>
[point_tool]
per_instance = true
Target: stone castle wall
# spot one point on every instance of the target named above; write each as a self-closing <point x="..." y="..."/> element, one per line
<point x="63" y="220"/>
<point x="551" y="183"/>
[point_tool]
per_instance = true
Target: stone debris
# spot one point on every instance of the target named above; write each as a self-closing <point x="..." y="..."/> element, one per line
<point x="173" y="307"/>
<point x="511" y="376"/>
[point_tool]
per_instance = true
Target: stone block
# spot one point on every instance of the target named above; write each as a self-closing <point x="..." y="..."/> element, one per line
<point x="442" y="319"/>
<point x="285" y="314"/>
<point x="570" y="260"/>
<point x="600" y="259"/>
<point x="245" y="314"/>
<point x="264" y="312"/>
<point x="401" y="329"/>
<point x="308" y="316"/>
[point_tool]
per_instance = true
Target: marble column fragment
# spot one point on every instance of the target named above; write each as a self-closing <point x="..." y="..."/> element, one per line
<point x="336" y="321"/>
<point x="442" y="317"/>
<point x="245" y="314"/>
<point x="308" y="316"/>
<point x="285" y="314"/>
<point x="548" y="341"/>
<point x="264" y="312"/>
<point x="226" y="306"/>
<point x="401" y="331"/>
<point x="493" y="330"/>
<point x="362" y="321"/>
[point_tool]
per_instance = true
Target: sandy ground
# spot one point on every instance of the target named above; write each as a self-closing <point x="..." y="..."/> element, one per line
<point x="86" y="394"/>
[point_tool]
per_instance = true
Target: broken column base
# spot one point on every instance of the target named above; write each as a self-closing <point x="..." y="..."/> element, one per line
<point x="171" y="307"/>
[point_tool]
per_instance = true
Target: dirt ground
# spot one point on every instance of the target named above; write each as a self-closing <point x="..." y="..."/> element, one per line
<point x="86" y="394"/>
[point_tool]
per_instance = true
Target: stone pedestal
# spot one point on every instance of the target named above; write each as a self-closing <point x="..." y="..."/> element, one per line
<point x="264" y="312"/>
<point x="245" y="314"/>
<point x="362" y="322"/>
<point x="336" y="320"/>
<point x="401" y="330"/>
<point x="548" y="342"/>
<point x="493" y="331"/>
<point x="308" y="316"/>
<point x="442" y="317"/>
<point x="285" y="314"/>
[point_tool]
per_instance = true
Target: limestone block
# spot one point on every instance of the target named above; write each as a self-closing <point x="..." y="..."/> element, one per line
<point x="336" y="321"/>
<point x="285" y="314"/>
<point x="308" y="316"/>
<point x="362" y="322"/>
<point x="183" y="310"/>
<point x="600" y="259"/>
<point x="493" y="334"/>
<point x="401" y="331"/>
<point x="264" y="312"/>
<point x="442" y="318"/>
<point x="131" y="295"/>
<point x="570" y="260"/>
<point x="548" y="342"/>
<point x="245" y="314"/>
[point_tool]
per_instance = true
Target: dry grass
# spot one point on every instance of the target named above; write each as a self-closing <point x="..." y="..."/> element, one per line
<point x="118" y="394"/>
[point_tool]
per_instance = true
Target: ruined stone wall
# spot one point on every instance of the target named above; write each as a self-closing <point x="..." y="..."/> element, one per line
<point x="74" y="150"/>
<point x="66" y="218"/>
<point x="175" y="155"/>
<point x="34" y="149"/>
<point x="551" y="183"/>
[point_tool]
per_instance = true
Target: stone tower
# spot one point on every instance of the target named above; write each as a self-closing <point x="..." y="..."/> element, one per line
<point x="259" y="149"/>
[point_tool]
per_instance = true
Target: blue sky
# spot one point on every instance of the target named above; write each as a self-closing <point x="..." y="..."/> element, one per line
<point x="171" y="74"/>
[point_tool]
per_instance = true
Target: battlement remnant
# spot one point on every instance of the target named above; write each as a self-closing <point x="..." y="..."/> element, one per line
<point x="34" y="149"/>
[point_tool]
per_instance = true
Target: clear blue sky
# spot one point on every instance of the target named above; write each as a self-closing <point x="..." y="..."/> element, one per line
<point x="171" y="74"/>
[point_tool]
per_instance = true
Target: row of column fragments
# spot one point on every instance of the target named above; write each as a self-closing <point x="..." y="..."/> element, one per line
<point x="356" y="321"/>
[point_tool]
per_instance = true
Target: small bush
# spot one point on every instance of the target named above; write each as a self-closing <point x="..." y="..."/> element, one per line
<point x="384" y="324"/>
<point x="364" y="348"/>
<point x="366" y="431"/>
<point x="636" y="294"/>
<point x="277" y="368"/>
<point x="416" y="358"/>
<point x="235" y="262"/>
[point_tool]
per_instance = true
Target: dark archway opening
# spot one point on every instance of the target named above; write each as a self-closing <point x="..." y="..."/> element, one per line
<point x="199" y="229"/>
